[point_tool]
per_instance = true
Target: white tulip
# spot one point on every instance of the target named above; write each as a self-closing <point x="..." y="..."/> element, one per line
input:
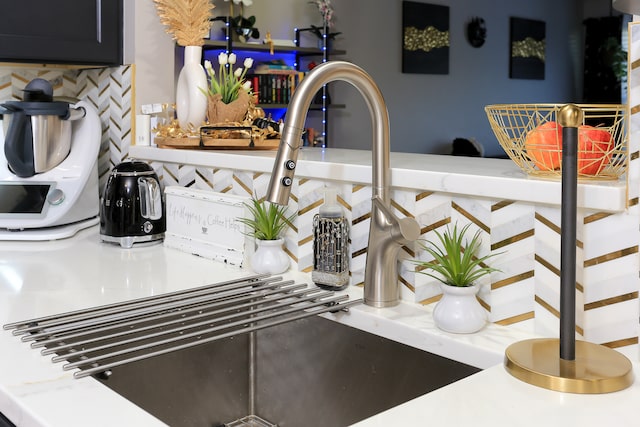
<point x="222" y="58"/>
<point x="232" y="58"/>
<point x="248" y="63"/>
<point x="237" y="72"/>
<point x="209" y="67"/>
<point x="246" y="85"/>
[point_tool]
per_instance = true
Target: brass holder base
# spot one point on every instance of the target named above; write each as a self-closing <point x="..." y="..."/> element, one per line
<point x="596" y="369"/>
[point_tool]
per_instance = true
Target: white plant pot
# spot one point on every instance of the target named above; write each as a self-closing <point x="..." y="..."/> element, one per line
<point x="459" y="311"/>
<point x="270" y="257"/>
<point x="191" y="103"/>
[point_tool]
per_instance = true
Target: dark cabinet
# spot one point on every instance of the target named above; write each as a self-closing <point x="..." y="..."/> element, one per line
<point x="61" y="31"/>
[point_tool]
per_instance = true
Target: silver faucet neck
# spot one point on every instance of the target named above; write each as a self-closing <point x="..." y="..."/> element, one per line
<point x="291" y="135"/>
<point x="387" y="234"/>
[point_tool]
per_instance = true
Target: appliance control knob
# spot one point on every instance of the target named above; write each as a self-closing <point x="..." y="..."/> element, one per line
<point x="55" y="197"/>
<point x="147" y="227"/>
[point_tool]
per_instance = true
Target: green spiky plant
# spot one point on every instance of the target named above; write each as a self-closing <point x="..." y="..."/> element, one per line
<point x="268" y="220"/>
<point x="455" y="260"/>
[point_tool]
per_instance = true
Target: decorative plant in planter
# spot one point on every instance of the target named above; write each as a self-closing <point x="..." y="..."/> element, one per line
<point x="457" y="268"/>
<point x="266" y="225"/>
<point x="228" y="93"/>
<point x="243" y="28"/>
<point x="319" y="32"/>
<point x="326" y="10"/>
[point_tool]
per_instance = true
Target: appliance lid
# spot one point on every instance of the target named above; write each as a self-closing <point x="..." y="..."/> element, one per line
<point x="36" y="108"/>
<point x="133" y="168"/>
<point x="38" y="90"/>
<point x="38" y="100"/>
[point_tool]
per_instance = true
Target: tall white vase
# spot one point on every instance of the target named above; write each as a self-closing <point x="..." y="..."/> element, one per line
<point x="191" y="103"/>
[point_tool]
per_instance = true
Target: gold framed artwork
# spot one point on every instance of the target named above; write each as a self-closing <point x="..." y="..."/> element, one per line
<point x="527" y="49"/>
<point x="425" y="38"/>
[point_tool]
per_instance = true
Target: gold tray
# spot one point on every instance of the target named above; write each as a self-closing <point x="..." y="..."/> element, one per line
<point x="236" y="138"/>
<point x="205" y="143"/>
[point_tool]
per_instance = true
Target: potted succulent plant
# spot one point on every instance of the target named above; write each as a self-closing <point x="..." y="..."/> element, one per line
<point x="266" y="225"/>
<point x="457" y="268"/>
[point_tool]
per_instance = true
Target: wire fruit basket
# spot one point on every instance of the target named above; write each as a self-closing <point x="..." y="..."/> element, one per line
<point x="532" y="138"/>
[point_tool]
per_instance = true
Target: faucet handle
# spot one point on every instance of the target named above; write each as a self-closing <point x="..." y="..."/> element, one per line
<point x="403" y="230"/>
<point x="409" y="231"/>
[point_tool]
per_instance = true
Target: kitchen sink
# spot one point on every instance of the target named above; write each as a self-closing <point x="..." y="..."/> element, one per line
<point x="252" y="351"/>
<point x="308" y="372"/>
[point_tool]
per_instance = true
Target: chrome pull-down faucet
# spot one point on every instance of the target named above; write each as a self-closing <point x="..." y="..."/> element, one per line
<point x="387" y="233"/>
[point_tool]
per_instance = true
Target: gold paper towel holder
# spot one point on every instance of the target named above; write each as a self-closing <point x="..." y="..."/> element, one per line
<point x="565" y="364"/>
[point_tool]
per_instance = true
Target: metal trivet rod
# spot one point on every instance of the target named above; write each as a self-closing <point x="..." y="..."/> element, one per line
<point x="28" y="326"/>
<point x="105" y="367"/>
<point x="159" y="331"/>
<point x="51" y="342"/>
<point x="99" y="323"/>
<point x="98" y="339"/>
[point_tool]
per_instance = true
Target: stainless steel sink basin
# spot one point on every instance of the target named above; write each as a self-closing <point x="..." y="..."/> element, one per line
<point x="310" y="372"/>
<point x="249" y="347"/>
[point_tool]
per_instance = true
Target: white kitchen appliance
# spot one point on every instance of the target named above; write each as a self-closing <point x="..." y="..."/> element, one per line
<point x="59" y="202"/>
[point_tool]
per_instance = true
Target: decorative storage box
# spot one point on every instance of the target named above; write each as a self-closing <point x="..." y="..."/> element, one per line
<point x="205" y="223"/>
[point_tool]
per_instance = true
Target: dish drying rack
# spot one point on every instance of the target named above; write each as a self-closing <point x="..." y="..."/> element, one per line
<point x="95" y="340"/>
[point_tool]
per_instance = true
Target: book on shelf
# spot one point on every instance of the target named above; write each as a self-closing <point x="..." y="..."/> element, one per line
<point x="267" y="68"/>
<point x="275" y="87"/>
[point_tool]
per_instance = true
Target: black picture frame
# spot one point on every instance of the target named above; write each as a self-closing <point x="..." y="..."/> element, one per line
<point x="527" y="49"/>
<point x="425" y="38"/>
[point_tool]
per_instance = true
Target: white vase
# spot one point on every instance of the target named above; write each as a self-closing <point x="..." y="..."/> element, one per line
<point x="270" y="257"/>
<point x="191" y="103"/>
<point x="459" y="311"/>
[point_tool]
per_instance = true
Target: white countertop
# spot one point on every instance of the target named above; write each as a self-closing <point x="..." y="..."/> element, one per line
<point x="498" y="179"/>
<point x="43" y="278"/>
<point x="494" y="398"/>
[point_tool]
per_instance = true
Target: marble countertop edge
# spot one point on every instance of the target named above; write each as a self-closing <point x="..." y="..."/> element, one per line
<point x="498" y="179"/>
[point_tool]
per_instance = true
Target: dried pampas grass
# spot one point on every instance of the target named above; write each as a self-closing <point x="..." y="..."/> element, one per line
<point x="188" y="21"/>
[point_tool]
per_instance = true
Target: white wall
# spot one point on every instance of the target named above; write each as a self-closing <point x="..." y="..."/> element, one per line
<point x="151" y="49"/>
<point x="428" y="111"/>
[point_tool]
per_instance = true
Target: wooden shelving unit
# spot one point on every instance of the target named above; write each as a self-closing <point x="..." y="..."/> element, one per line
<point x="257" y="47"/>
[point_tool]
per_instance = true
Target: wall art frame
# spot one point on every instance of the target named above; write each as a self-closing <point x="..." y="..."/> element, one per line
<point x="425" y="38"/>
<point x="527" y="49"/>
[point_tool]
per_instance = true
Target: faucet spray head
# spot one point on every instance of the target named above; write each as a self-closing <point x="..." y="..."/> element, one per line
<point x="284" y="166"/>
